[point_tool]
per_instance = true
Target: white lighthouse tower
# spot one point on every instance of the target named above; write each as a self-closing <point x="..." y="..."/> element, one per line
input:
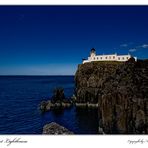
<point x="92" y="53"/>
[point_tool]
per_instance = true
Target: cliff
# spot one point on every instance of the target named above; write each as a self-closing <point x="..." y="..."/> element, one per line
<point x="121" y="91"/>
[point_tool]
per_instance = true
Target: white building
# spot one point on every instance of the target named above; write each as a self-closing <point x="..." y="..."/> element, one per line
<point x="110" y="57"/>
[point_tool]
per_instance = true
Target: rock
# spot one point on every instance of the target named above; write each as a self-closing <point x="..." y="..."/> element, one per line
<point x="57" y="101"/>
<point x="49" y="105"/>
<point x="140" y="121"/>
<point x="43" y="106"/>
<point x="56" y="129"/>
<point x="86" y="105"/>
<point x="81" y="105"/>
<point x="100" y="130"/>
<point x="121" y="91"/>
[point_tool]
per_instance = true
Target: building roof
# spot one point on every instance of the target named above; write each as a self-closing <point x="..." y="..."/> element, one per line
<point x="93" y="49"/>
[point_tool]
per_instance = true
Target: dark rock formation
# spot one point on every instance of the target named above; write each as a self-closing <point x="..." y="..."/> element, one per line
<point x="121" y="91"/>
<point x="58" y="95"/>
<point x="58" y="101"/>
<point x="49" y="105"/>
<point x="56" y="129"/>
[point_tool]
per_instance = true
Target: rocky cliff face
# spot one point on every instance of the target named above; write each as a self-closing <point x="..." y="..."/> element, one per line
<point x="120" y="89"/>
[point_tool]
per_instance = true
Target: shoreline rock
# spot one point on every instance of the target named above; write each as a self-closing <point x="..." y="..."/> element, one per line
<point x="48" y="105"/>
<point x="86" y="105"/>
<point x="56" y="129"/>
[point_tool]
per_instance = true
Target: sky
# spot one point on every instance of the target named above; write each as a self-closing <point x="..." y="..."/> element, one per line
<point x="53" y="40"/>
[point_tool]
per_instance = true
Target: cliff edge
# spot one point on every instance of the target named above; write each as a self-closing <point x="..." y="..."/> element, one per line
<point x="121" y="91"/>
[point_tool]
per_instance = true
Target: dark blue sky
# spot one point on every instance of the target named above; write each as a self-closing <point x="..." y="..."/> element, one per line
<point x="52" y="40"/>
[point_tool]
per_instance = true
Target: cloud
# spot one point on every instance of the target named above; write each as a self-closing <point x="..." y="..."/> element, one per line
<point x="144" y="46"/>
<point x="132" y="50"/>
<point x="124" y="45"/>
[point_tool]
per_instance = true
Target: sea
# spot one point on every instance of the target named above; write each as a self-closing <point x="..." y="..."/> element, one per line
<point x="20" y="97"/>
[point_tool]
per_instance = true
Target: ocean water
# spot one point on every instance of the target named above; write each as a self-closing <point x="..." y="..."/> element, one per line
<point x="20" y="97"/>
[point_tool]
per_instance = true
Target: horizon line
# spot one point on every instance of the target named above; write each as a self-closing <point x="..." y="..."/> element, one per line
<point x="36" y="75"/>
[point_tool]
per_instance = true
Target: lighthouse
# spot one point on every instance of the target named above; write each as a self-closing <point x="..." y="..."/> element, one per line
<point x="92" y="53"/>
<point x="110" y="57"/>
